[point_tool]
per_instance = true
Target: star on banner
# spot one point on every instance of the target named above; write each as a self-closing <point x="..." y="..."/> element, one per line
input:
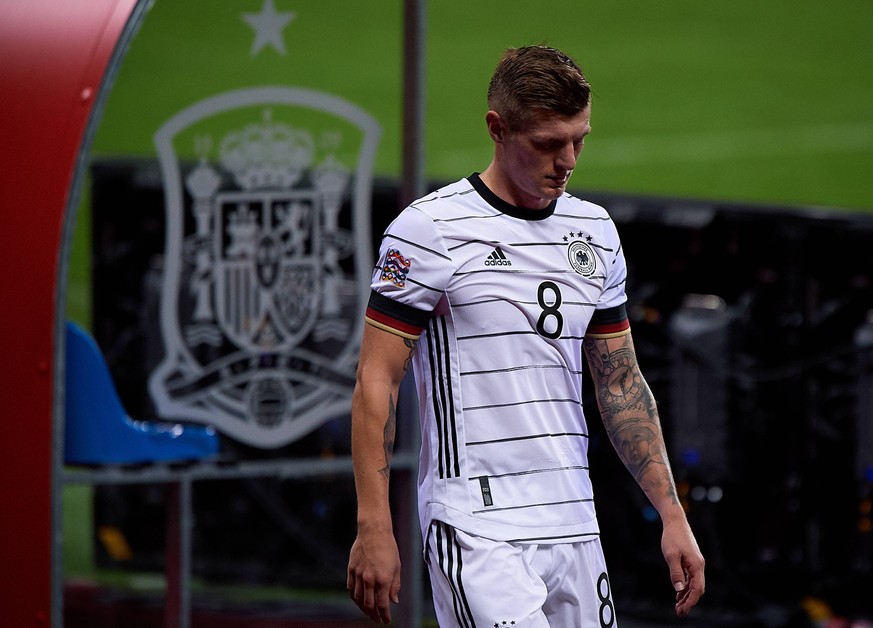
<point x="268" y="26"/>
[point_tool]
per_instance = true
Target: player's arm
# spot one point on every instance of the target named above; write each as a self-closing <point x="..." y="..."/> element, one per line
<point x="630" y="416"/>
<point x="374" y="562"/>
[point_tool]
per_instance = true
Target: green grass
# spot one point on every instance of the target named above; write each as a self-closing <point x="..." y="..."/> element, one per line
<point x="78" y="530"/>
<point x="752" y="101"/>
<point x="742" y="100"/>
<point x="765" y="102"/>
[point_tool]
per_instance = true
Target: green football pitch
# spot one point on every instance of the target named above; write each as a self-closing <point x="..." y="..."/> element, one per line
<point x="765" y="102"/>
<point x="749" y="100"/>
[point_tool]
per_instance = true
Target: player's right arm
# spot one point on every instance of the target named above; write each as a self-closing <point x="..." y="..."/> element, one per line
<point x="374" y="561"/>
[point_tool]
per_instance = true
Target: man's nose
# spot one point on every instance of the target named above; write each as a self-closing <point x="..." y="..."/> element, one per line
<point x="566" y="157"/>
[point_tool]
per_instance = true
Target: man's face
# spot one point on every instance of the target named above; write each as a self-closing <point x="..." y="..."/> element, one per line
<point x="539" y="159"/>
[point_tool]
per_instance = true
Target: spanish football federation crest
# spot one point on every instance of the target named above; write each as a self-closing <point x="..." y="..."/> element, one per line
<point x="267" y="263"/>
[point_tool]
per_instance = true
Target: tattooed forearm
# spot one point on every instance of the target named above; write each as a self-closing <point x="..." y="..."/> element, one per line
<point x="630" y="414"/>
<point x="388" y="435"/>
<point x="640" y="445"/>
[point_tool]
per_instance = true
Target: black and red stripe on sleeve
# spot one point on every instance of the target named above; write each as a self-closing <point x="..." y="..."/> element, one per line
<point x="398" y="318"/>
<point x="609" y="323"/>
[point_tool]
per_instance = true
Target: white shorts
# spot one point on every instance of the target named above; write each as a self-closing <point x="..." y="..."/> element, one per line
<point x="485" y="583"/>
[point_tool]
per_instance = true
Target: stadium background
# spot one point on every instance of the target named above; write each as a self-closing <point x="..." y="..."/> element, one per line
<point x="763" y="104"/>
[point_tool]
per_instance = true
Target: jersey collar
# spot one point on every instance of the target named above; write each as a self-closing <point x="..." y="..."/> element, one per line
<point x="507" y="208"/>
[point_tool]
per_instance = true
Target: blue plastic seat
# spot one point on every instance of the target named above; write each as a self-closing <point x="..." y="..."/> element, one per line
<point x="98" y="430"/>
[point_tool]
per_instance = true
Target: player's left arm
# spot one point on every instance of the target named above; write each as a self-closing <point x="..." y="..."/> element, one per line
<point x="630" y="416"/>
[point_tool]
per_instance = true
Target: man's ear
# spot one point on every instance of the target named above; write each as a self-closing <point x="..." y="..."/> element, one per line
<point x="496" y="128"/>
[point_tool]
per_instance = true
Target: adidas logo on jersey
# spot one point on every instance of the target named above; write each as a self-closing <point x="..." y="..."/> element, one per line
<point x="497" y="258"/>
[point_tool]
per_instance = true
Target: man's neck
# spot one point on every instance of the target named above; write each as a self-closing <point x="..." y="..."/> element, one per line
<point x="504" y="190"/>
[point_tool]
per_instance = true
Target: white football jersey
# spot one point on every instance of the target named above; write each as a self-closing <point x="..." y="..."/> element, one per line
<point x="500" y="298"/>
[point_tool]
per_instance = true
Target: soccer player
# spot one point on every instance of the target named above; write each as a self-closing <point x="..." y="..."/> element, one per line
<point x="494" y="288"/>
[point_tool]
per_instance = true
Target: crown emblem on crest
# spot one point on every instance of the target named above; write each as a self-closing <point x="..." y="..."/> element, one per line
<point x="267" y="155"/>
<point x="331" y="178"/>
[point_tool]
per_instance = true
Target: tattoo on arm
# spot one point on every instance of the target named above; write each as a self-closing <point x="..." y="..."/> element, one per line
<point x="411" y="344"/>
<point x="388" y="435"/>
<point x="637" y="445"/>
<point x="390" y="428"/>
<point x="630" y="414"/>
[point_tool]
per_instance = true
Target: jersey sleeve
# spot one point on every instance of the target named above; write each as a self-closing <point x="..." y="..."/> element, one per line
<point x="610" y="316"/>
<point x="609" y="323"/>
<point x="411" y="275"/>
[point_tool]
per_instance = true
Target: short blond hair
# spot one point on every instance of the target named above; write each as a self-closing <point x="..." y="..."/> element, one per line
<point x="533" y="79"/>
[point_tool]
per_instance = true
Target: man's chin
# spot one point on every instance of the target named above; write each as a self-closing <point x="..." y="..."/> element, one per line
<point x="556" y="186"/>
<point x="554" y="193"/>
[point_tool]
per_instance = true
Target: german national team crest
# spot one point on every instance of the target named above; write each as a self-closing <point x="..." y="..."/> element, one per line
<point x="581" y="256"/>
<point x="267" y="263"/>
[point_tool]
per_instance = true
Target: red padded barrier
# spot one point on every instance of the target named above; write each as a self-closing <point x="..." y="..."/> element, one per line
<point x="54" y="57"/>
